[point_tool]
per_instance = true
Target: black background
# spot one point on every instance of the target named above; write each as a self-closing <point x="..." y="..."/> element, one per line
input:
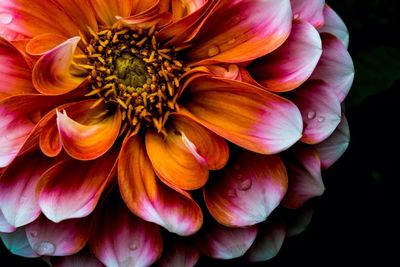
<point x="354" y="222"/>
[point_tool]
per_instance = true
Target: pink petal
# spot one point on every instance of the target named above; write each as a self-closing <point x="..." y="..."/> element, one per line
<point x="309" y="10"/>
<point x="72" y="188"/>
<point x="15" y="74"/>
<point x="242" y="30"/>
<point x="335" y="66"/>
<point x="18" y="188"/>
<point x="247" y="191"/>
<point x="5" y="226"/>
<point x="335" y="145"/>
<point x="268" y="242"/>
<point x="222" y="242"/>
<point x="82" y="259"/>
<point x="320" y="109"/>
<point x="17" y="243"/>
<point x="150" y="199"/>
<point x="87" y="139"/>
<point x="52" y="75"/>
<point x="292" y="63"/>
<point x="243" y="114"/>
<point x="305" y="181"/>
<point x="42" y="44"/>
<point x="121" y="239"/>
<point x="58" y="239"/>
<point x="182" y="253"/>
<point x="335" y="25"/>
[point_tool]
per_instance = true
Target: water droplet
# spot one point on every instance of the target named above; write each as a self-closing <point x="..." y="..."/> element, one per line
<point x="232" y="41"/>
<point x="33" y="233"/>
<point x="311" y="114"/>
<point x="213" y="50"/>
<point x="232" y="193"/>
<point x="5" y="18"/>
<point x="245" y="184"/>
<point x="296" y="16"/>
<point x="45" y="248"/>
<point x="134" y="245"/>
<point x="320" y="119"/>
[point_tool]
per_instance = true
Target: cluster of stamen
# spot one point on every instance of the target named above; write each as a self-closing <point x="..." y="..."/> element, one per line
<point x="129" y="70"/>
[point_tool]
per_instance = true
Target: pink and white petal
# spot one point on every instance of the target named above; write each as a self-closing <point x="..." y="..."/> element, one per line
<point x="243" y="114"/>
<point x="305" y="180"/>
<point x="320" y="109"/>
<point x="334" y="146"/>
<point x="108" y="10"/>
<point x="150" y="199"/>
<point x="335" y="66"/>
<point x="335" y="25"/>
<point x="72" y="188"/>
<point x="122" y="239"/>
<point x="90" y="139"/>
<point x="247" y="191"/>
<point x="309" y="10"/>
<point x="182" y="253"/>
<point x="222" y="242"/>
<point x="15" y="73"/>
<point x="241" y="30"/>
<point x="291" y="64"/>
<point x="5" y="226"/>
<point x="58" y="239"/>
<point x="82" y="259"/>
<point x="268" y="243"/>
<point x="52" y="75"/>
<point x="43" y="43"/>
<point x="17" y="243"/>
<point x="18" y="200"/>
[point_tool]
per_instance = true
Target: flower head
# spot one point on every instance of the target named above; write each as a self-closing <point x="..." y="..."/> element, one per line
<point x="122" y="118"/>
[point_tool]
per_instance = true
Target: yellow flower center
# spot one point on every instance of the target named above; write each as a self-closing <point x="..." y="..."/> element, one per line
<point x="129" y="70"/>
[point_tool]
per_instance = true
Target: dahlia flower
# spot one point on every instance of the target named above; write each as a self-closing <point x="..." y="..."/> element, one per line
<point x="141" y="132"/>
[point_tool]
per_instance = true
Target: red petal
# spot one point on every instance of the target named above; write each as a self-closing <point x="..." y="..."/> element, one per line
<point x="309" y="10"/>
<point x="292" y="63"/>
<point x="150" y="199"/>
<point x="320" y="109"/>
<point x="305" y="181"/>
<point x="107" y="10"/>
<point x="242" y="30"/>
<point x="243" y="114"/>
<point x="122" y="239"/>
<point x="82" y="259"/>
<point x="335" y="25"/>
<point x="182" y="253"/>
<point x="247" y="191"/>
<point x="17" y="243"/>
<point x="58" y="239"/>
<point x="335" y="66"/>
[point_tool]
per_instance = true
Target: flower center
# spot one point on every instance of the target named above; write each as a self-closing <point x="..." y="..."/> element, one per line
<point x="129" y="70"/>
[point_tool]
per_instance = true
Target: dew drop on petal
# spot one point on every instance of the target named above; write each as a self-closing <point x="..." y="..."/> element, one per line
<point x="5" y="18"/>
<point x="320" y="119"/>
<point x="311" y="114"/>
<point x="232" y="193"/>
<point x="232" y="41"/>
<point x="245" y="184"/>
<point x="213" y="50"/>
<point x="133" y="245"/>
<point x="45" y="248"/>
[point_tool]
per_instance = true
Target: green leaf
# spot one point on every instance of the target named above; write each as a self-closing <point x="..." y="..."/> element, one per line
<point x="376" y="70"/>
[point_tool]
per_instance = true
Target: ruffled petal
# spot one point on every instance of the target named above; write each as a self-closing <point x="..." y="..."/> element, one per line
<point x="58" y="239"/>
<point x="305" y="181"/>
<point x="82" y="259"/>
<point x="108" y="10"/>
<point x="121" y="239"/>
<point x="88" y="139"/>
<point x="222" y="242"/>
<point x="150" y="199"/>
<point x="243" y="114"/>
<point x="72" y="188"/>
<point x="292" y="63"/>
<point x="43" y="43"/>
<point x="320" y="109"/>
<point x="52" y="75"/>
<point x="242" y="30"/>
<point x="5" y="226"/>
<point x="15" y="74"/>
<point x="334" y="146"/>
<point x="309" y="10"/>
<point x="18" y="188"/>
<point x="247" y="191"/>
<point x="180" y="253"/>
<point x="268" y="242"/>
<point x="335" y="25"/>
<point x="335" y="66"/>
<point x="17" y="243"/>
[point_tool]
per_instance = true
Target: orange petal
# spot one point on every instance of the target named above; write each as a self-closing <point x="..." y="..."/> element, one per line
<point x="243" y="114"/>
<point x="140" y="6"/>
<point x="42" y="44"/>
<point x="150" y="199"/>
<point x="52" y="75"/>
<point x="107" y="10"/>
<point x="242" y="30"/>
<point x="87" y="139"/>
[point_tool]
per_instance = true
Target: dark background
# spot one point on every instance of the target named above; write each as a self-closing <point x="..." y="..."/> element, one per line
<point x="354" y="222"/>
